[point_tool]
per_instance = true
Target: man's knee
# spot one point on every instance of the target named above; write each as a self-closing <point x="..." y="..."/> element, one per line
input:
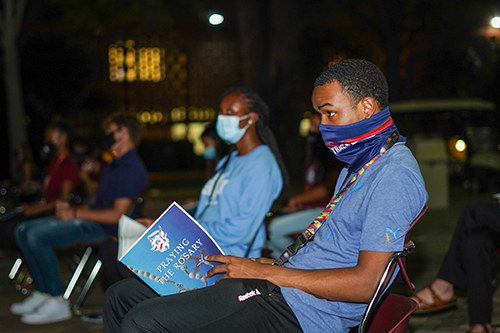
<point x="126" y="293"/>
<point x="479" y="242"/>
<point x="137" y="320"/>
<point x="115" y="291"/>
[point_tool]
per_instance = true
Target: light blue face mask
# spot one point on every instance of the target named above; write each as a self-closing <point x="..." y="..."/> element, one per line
<point x="209" y="153"/>
<point x="228" y="127"/>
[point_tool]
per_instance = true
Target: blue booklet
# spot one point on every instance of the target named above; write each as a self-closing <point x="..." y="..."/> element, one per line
<point x="170" y="254"/>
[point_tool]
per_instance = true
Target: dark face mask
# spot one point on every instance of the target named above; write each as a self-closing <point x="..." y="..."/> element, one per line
<point x="47" y="151"/>
<point x="109" y="140"/>
<point x="78" y="158"/>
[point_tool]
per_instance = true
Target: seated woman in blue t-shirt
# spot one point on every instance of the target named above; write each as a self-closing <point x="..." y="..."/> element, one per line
<point x="235" y="200"/>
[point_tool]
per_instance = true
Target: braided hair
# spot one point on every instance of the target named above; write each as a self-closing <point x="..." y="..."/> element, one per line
<point x="256" y="104"/>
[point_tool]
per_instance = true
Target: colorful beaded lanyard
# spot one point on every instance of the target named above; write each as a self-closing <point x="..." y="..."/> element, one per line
<point x="308" y="234"/>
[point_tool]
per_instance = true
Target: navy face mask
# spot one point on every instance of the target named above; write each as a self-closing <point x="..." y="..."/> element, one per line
<point x="109" y="140"/>
<point x="356" y="144"/>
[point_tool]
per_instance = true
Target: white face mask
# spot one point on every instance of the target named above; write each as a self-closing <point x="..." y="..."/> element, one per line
<point x="228" y="127"/>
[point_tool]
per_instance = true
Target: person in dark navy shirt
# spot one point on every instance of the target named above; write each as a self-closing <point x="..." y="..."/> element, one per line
<point x="121" y="182"/>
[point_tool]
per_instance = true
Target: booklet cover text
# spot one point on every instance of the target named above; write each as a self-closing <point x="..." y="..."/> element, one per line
<point x="170" y="254"/>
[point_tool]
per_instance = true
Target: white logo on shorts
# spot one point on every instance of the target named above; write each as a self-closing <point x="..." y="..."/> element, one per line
<point x="248" y="295"/>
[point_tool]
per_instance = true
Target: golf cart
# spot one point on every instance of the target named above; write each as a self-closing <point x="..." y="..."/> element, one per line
<point x="467" y="130"/>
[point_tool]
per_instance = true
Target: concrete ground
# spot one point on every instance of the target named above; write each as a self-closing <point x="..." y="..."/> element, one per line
<point x="431" y="236"/>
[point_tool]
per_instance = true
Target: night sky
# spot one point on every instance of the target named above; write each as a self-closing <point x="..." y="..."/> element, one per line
<point x="427" y="49"/>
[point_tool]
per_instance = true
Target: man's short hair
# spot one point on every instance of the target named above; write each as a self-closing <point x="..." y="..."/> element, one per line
<point x="358" y="79"/>
<point x="128" y="120"/>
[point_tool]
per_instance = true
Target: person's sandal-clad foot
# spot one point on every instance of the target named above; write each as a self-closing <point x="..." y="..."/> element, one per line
<point x="480" y="328"/>
<point x="437" y="305"/>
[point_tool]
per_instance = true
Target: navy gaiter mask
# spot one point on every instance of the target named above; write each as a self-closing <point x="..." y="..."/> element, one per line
<point x="356" y="144"/>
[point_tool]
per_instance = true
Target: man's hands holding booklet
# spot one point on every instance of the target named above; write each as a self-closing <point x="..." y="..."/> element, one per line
<point x="239" y="268"/>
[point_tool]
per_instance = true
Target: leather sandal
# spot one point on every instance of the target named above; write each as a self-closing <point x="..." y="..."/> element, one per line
<point x="485" y="329"/>
<point x="437" y="305"/>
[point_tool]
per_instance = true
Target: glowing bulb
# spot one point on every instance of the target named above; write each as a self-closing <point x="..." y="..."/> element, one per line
<point x="216" y="19"/>
<point x="460" y="145"/>
<point x="495" y="22"/>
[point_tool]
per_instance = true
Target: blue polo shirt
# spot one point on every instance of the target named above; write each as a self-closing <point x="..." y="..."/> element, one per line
<point x="373" y="215"/>
<point x="125" y="177"/>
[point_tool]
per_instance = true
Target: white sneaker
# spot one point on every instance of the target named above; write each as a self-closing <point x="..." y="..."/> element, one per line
<point x="54" y="310"/>
<point x="30" y="304"/>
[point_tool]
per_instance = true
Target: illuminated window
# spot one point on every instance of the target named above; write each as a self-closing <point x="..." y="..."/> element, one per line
<point x="194" y="131"/>
<point x="151" y="117"/>
<point x="201" y="114"/>
<point x="178" y="114"/>
<point x="131" y="64"/>
<point x="179" y="131"/>
<point x="194" y="136"/>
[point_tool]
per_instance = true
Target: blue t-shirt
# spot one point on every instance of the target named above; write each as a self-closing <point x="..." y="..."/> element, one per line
<point x="243" y="195"/>
<point x="373" y="215"/>
<point x="125" y="177"/>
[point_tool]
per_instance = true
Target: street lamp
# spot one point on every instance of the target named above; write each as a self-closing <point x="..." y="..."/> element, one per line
<point x="216" y="19"/>
<point x="495" y="22"/>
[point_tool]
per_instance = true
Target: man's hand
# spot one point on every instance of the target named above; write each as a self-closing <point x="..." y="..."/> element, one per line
<point x="264" y="260"/>
<point x="350" y="284"/>
<point x="64" y="211"/>
<point x="236" y="267"/>
<point x="293" y="205"/>
<point x="29" y="209"/>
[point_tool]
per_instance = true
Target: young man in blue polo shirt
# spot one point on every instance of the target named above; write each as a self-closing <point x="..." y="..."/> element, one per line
<point x="120" y="184"/>
<point x="326" y="285"/>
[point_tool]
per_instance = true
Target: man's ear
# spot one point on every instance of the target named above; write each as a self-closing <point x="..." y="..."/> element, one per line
<point x="370" y="107"/>
<point x="124" y="133"/>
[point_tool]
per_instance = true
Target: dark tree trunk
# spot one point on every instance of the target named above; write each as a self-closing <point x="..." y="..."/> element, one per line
<point x="11" y="18"/>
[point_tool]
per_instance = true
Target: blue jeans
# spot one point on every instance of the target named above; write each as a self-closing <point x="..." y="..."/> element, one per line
<point x="37" y="240"/>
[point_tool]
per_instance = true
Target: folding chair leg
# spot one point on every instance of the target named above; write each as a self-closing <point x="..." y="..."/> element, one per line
<point x="77" y="273"/>
<point x="86" y="287"/>
<point x="15" y="268"/>
<point x="19" y="275"/>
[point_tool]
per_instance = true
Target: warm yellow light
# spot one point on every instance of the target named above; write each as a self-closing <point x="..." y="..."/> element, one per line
<point x="156" y="117"/>
<point x="304" y="126"/>
<point x="194" y="131"/>
<point x="179" y="131"/>
<point x="178" y="114"/>
<point x="143" y="64"/>
<point x="198" y="147"/>
<point x="120" y="74"/>
<point x="145" y="117"/>
<point x="460" y="145"/>
<point x="131" y="75"/>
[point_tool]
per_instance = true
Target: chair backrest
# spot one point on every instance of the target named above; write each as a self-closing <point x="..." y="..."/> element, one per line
<point x="371" y="310"/>
<point x="393" y="314"/>
<point x="403" y="275"/>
